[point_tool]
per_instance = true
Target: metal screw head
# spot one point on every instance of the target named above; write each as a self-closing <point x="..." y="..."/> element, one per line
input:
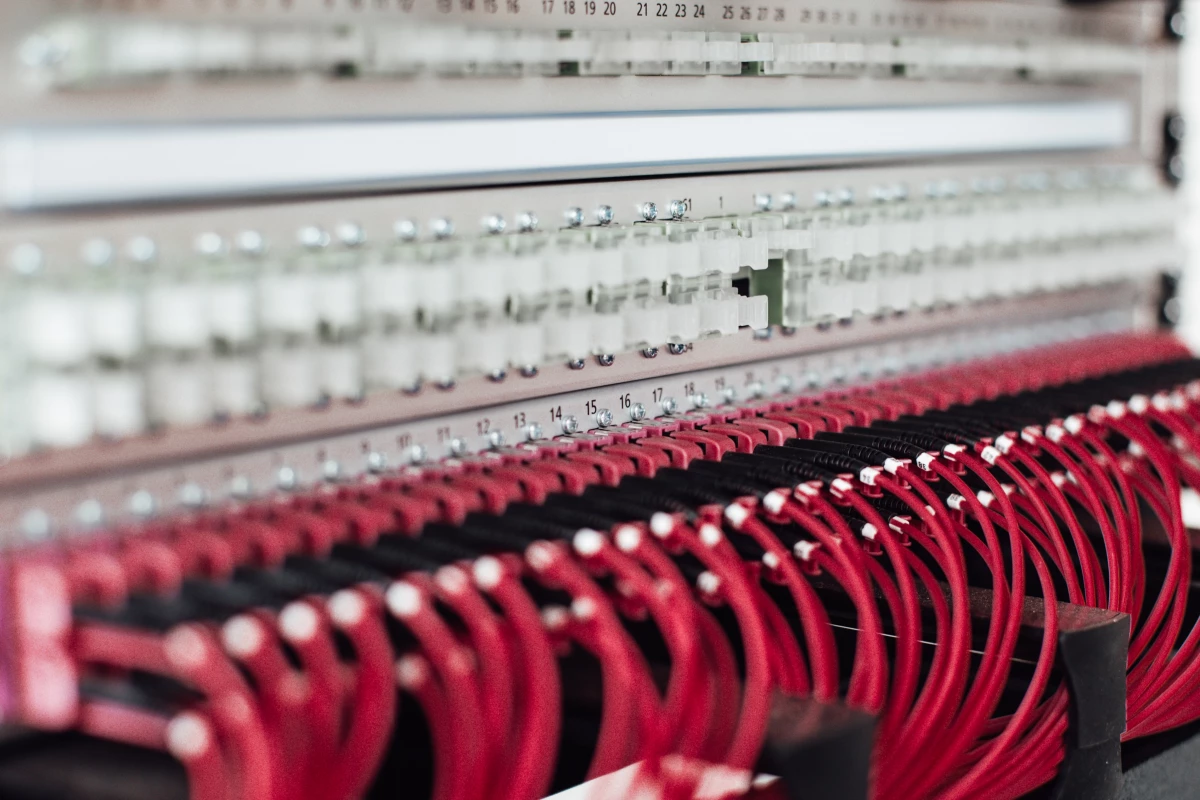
<point x="376" y="461"/>
<point x="251" y="243"/>
<point x="192" y="495"/>
<point x="605" y="359"/>
<point x="89" y="513"/>
<point x="529" y="371"/>
<point x="637" y="412"/>
<point x="570" y="425"/>
<point x="441" y="228"/>
<point x="533" y="432"/>
<point x="763" y="202"/>
<point x="331" y="470"/>
<point x="729" y="395"/>
<point x="35" y="525"/>
<point x="495" y="439"/>
<point x="417" y="454"/>
<point x="497" y="375"/>
<point x="649" y="211"/>
<point x="669" y="406"/>
<point x="142" y="249"/>
<point x="97" y="252"/>
<point x="603" y="417"/>
<point x="312" y="237"/>
<point x="405" y="230"/>
<point x="787" y="201"/>
<point x="142" y="503"/>
<point x="755" y="389"/>
<point x="823" y="198"/>
<point x="350" y="234"/>
<point x="812" y="379"/>
<point x="604" y="215"/>
<point x="700" y="400"/>
<point x="677" y="209"/>
<point x="39" y="52"/>
<point x="1178" y="24"/>
<point x="1175" y="167"/>
<point x="763" y="334"/>
<point x="458" y="447"/>
<point x="494" y="223"/>
<point x="26" y="259"/>
<point x="845" y="196"/>
<point x="527" y="221"/>
<point x="899" y="192"/>
<point x="286" y="478"/>
<point x="573" y="216"/>
<point x="240" y="488"/>
<point x="650" y="352"/>
<point x="677" y="348"/>
<point x="784" y="383"/>
<point x="577" y="363"/>
<point x="880" y="194"/>
<point x="210" y="244"/>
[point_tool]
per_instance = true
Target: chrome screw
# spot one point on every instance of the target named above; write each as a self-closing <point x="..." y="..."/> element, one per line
<point x="649" y="211"/>
<point x="376" y="461"/>
<point x="442" y="228"/>
<point x="573" y="216"/>
<point x="495" y="440"/>
<point x="763" y="202"/>
<point x="142" y="504"/>
<point x="313" y="238"/>
<point x="350" y="234"/>
<point x="677" y="349"/>
<point x="603" y="417"/>
<point x="35" y="525"/>
<point x="405" y="230"/>
<point x="669" y="406"/>
<point x="527" y="221"/>
<point x="605" y="359"/>
<point x="494" y="223"/>
<point x="678" y="209"/>
<point x="331" y="470"/>
<point x="650" y="352"/>
<point x="605" y="215"/>
<point x="251" y="243"/>
<point x="286" y="478"/>
<point x="637" y="412"/>
<point x="570" y="425"/>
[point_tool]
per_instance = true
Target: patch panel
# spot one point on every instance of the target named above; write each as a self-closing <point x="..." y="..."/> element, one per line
<point x="469" y="399"/>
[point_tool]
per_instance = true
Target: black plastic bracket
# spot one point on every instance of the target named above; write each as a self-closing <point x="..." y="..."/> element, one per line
<point x="820" y="751"/>
<point x="1093" y="647"/>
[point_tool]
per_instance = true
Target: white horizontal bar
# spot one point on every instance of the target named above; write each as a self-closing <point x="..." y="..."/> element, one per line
<point x="61" y="166"/>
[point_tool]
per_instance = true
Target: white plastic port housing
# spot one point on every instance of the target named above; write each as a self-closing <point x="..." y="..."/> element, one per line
<point x="289" y="377"/>
<point x="179" y="393"/>
<point x="390" y="361"/>
<point x="287" y="304"/>
<point x="114" y="324"/>
<point x="54" y="328"/>
<point x="60" y="410"/>
<point x="231" y="311"/>
<point x="235" y="386"/>
<point x="118" y="404"/>
<point x="176" y="316"/>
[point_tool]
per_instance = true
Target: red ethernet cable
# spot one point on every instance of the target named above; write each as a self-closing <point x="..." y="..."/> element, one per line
<point x="455" y="671"/>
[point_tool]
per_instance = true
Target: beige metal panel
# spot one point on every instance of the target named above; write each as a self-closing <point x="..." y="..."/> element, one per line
<point x="217" y="458"/>
<point x="174" y="230"/>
